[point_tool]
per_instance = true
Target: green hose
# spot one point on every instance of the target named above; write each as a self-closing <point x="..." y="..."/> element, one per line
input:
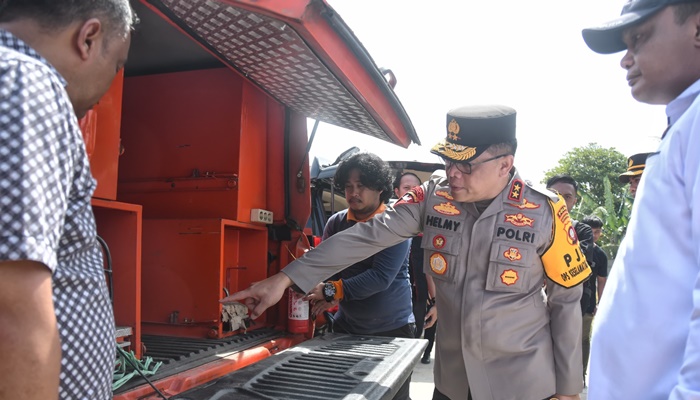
<point x="127" y="366"/>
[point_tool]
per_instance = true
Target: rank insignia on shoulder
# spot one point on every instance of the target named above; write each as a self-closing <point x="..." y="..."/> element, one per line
<point x="526" y="204"/>
<point x="415" y="195"/>
<point x="446" y="209"/>
<point x="509" y="277"/>
<point x="516" y="190"/>
<point x="438" y="263"/>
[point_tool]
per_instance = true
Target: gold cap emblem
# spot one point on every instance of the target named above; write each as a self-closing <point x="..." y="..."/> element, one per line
<point x="453" y="130"/>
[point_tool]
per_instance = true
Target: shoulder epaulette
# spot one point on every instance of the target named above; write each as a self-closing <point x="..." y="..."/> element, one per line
<point x="541" y="189"/>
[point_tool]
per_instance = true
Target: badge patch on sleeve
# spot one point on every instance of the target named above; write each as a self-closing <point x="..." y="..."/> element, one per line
<point x="509" y="277"/>
<point x="571" y="235"/>
<point x="415" y="195"/>
<point x="438" y="263"/>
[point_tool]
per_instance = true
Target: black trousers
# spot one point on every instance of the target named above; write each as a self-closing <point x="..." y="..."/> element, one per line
<point x="437" y="395"/>
<point x="406" y="331"/>
<point x="430" y="335"/>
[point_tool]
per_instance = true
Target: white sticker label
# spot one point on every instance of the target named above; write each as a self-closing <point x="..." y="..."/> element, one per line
<point x="298" y="308"/>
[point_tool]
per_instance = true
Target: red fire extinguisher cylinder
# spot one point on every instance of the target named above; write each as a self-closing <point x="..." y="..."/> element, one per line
<point x="298" y="314"/>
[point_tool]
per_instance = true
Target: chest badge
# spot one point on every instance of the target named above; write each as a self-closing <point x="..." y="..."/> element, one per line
<point x="513" y="254"/>
<point x="516" y="190"/>
<point x="519" y="219"/>
<point x="445" y="194"/>
<point x="439" y="242"/>
<point x="446" y="209"/>
<point x="509" y="277"/>
<point x="438" y="263"/>
<point x="526" y="205"/>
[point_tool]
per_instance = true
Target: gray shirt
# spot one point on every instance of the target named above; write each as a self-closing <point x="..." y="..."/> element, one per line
<point x="500" y="336"/>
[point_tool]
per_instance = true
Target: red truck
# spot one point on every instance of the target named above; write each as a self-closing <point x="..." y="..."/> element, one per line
<point x="200" y="150"/>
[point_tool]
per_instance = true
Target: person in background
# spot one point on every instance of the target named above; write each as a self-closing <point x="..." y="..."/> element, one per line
<point x="635" y="168"/>
<point x="423" y="286"/>
<point x="599" y="266"/>
<point x="57" y="59"/>
<point x="489" y="246"/>
<point x="567" y="187"/>
<point x="646" y="337"/>
<point x="374" y="294"/>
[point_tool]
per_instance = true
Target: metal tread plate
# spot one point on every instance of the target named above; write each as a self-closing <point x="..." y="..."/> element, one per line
<point x="180" y="354"/>
<point x="333" y="366"/>
<point x="270" y="53"/>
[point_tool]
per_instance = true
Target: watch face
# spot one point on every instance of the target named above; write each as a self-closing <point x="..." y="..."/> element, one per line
<point x="329" y="292"/>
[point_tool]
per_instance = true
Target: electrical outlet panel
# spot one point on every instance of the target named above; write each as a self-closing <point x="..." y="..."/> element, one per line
<point x="260" y="215"/>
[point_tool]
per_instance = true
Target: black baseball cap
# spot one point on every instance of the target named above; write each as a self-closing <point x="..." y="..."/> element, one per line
<point x="472" y="129"/>
<point x="607" y="37"/>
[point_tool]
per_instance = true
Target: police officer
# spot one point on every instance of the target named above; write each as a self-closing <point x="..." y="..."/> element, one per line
<point x="489" y="246"/>
<point x="635" y="168"/>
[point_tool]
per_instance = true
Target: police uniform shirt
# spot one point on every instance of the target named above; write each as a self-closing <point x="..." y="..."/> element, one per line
<point x="500" y="336"/>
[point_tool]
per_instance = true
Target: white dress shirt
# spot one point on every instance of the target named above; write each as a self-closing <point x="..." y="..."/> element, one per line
<point x="646" y="335"/>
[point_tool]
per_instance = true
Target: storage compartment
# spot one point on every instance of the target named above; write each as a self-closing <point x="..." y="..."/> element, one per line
<point x="187" y="263"/>
<point x="181" y="143"/>
<point x="119" y="225"/>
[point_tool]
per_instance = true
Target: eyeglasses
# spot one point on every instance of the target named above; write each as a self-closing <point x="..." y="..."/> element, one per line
<point x="466" y="167"/>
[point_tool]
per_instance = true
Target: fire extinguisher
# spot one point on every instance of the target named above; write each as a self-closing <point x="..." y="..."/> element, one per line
<point x="298" y="314"/>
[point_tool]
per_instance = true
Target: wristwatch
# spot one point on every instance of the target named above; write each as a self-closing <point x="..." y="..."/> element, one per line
<point x="329" y="292"/>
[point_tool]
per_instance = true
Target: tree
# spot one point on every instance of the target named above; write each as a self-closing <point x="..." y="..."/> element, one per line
<point x="596" y="171"/>
<point x="589" y="166"/>
<point x="614" y="219"/>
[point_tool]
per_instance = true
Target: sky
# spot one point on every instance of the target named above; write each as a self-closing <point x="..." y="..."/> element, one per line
<point x="528" y="55"/>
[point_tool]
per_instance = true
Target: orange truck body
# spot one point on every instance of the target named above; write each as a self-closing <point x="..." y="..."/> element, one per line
<point x="207" y="123"/>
